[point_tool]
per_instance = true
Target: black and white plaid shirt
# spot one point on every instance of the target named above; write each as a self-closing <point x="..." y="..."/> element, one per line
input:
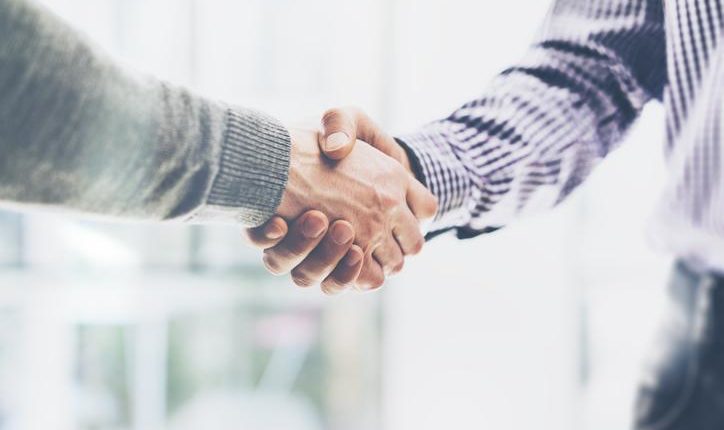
<point x="546" y="122"/>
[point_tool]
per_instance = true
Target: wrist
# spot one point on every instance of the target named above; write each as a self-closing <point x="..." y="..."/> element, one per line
<point x="405" y="161"/>
<point x="411" y="162"/>
<point x="304" y="163"/>
<point x="290" y="206"/>
<point x="252" y="169"/>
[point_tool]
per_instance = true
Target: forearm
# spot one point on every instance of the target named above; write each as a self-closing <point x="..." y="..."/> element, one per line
<point x="78" y="132"/>
<point x="544" y="124"/>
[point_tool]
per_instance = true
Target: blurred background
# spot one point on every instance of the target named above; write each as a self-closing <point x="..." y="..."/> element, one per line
<point x="125" y="327"/>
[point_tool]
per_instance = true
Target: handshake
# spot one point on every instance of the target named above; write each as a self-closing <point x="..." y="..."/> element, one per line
<point x="351" y="211"/>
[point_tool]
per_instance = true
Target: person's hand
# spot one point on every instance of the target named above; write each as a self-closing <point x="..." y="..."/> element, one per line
<point x="369" y="190"/>
<point x="327" y="253"/>
<point x="342" y="127"/>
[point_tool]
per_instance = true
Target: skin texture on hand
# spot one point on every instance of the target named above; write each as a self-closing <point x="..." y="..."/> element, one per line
<point x="344" y="126"/>
<point x="332" y="260"/>
<point x="369" y="190"/>
<point x="312" y="260"/>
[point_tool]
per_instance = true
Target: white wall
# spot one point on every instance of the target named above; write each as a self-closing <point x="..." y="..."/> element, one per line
<point x="541" y="325"/>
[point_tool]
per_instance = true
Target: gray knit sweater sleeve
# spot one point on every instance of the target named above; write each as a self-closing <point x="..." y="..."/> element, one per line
<point x="78" y="132"/>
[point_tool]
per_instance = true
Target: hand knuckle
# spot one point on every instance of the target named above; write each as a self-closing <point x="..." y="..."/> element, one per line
<point x="332" y="284"/>
<point x="384" y="200"/>
<point x="394" y="266"/>
<point x="302" y="278"/>
<point x="377" y="283"/>
<point x="330" y="115"/>
<point x="372" y="282"/>
<point x="434" y="206"/>
<point x="255" y="239"/>
<point x="416" y="247"/>
<point x="289" y="252"/>
<point x="272" y="264"/>
<point x="249" y="235"/>
<point x="398" y="267"/>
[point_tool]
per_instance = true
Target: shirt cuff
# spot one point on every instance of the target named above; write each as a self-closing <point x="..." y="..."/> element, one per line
<point x="437" y="166"/>
<point x="253" y="170"/>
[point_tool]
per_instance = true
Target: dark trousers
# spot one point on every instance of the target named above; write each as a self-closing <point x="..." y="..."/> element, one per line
<point x="684" y="387"/>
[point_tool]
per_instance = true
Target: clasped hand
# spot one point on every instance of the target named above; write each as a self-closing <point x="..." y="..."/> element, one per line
<point x="366" y="189"/>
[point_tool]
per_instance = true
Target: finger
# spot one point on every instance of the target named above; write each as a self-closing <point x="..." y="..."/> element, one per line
<point x="269" y="234"/>
<point x="407" y="234"/>
<point x="372" y="276"/>
<point x="343" y="126"/>
<point x="421" y="201"/>
<point x="304" y="235"/>
<point x="389" y="256"/>
<point x="339" y="133"/>
<point x="325" y="257"/>
<point x="346" y="273"/>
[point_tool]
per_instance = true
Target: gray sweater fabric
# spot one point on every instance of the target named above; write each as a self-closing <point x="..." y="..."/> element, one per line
<point x="79" y="132"/>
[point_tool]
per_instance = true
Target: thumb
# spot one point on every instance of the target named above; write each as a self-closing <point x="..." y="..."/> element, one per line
<point x="339" y="133"/>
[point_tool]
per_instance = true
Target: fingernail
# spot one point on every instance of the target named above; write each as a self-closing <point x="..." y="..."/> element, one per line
<point x="342" y="234"/>
<point x="336" y="141"/>
<point x="313" y="228"/>
<point x="353" y="259"/>
<point x="274" y="232"/>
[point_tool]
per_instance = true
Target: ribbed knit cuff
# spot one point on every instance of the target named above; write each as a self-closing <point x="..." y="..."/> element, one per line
<point x="254" y="167"/>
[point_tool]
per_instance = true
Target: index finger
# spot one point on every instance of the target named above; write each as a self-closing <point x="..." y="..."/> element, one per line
<point x="421" y="201"/>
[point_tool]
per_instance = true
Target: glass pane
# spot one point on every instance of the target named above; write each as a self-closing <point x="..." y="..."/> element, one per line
<point x="9" y="383"/>
<point x="208" y="353"/>
<point x="53" y="241"/>
<point x="242" y="366"/>
<point x="223" y="248"/>
<point x="10" y="238"/>
<point x="135" y="347"/>
<point x="102" y="399"/>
